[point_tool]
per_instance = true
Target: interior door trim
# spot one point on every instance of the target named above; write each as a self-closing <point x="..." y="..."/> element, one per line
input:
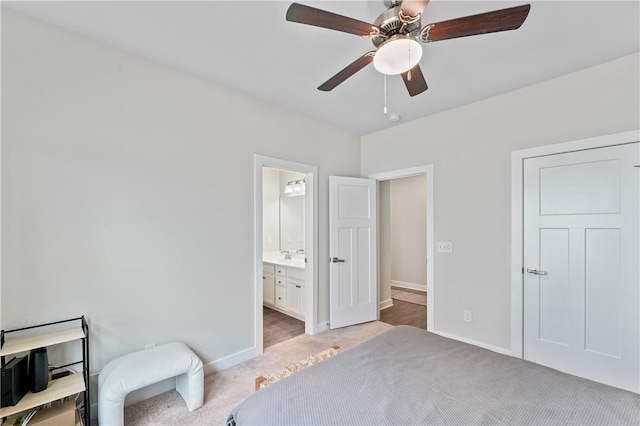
<point x="426" y="170"/>
<point x="311" y="242"/>
<point x="517" y="229"/>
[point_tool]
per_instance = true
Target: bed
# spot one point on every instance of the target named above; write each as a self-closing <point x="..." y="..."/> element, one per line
<point x="407" y="376"/>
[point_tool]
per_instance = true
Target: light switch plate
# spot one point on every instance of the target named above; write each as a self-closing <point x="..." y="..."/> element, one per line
<point x="444" y="247"/>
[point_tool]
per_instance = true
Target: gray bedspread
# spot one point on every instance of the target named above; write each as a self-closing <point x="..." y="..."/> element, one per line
<point x="407" y="376"/>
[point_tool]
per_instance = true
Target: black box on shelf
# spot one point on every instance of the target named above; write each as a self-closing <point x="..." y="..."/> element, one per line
<point x="15" y="382"/>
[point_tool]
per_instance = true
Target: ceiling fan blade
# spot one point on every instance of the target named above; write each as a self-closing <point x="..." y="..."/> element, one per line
<point x="489" y="22"/>
<point x="413" y="7"/>
<point x="321" y="18"/>
<point x="347" y="72"/>
<point x="414" y="80"/>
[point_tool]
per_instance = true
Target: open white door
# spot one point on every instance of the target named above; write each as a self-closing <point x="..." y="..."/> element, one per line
<point x="352" y="250"/>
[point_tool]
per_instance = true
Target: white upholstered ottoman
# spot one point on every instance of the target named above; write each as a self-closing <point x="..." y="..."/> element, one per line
<point x="142" y="368"/>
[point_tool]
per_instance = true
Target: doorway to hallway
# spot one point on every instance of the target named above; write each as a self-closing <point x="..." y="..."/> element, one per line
<point x="405" y="235"/>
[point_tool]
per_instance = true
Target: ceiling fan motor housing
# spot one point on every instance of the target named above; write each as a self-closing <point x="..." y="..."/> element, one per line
<point x="392" y="3"/>
<point x="390" y="24"/>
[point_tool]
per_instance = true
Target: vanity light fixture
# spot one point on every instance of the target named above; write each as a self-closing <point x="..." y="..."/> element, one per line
<point x="288" y="189"/>
<point x="295" y="187"/>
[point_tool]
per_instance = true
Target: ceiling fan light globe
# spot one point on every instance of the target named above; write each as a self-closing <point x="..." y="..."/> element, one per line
<point x="397" y="55"/>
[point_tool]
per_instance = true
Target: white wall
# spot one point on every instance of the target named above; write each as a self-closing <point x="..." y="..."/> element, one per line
<point x="408" y="203"/>
<point x="270" y="209"/>
<point x="470" y="148"/>
<point x="117" y="196"/>
<point x="384" y="242"/>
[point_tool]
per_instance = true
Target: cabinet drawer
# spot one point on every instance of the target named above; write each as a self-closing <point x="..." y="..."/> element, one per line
<point x="281" y="297"/>
<point x="296" y="273"/>
<point x="268" y="268"/>
<point x="281" y="281"/>
<point x="281" y="270"/>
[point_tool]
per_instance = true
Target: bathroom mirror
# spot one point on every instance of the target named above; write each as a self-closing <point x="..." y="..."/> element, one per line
<point x="292" y="223"/>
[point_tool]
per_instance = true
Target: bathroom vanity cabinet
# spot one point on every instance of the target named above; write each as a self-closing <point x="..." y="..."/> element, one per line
<point x="283" y="289"/>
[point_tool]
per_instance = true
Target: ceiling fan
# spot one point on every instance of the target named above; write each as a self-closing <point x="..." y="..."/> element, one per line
<point x="396" y="34"/>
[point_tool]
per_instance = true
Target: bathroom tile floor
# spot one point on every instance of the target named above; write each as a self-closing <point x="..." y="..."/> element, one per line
<point x="278" y="327"/>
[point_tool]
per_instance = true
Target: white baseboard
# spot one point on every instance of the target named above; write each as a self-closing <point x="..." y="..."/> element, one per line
<point x="473" y="342"/>
<point x="94" y="412"/>
<point x="386" y="304"/>
<point x="410" y="286"/>
<point x="229" y="361"/>
<point x="322" y="326"/>
<point x="150" y="391"/>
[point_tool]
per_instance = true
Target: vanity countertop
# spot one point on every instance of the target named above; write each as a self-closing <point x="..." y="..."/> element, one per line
<point x="275" y="258"/>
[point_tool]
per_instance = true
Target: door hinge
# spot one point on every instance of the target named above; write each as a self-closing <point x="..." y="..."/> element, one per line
<point x="523" y="270"/>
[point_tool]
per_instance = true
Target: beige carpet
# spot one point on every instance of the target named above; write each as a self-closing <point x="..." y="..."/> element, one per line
<point x="266" y="380"/>
<point x="226" y="389"/>
<point x="411" y="296"/>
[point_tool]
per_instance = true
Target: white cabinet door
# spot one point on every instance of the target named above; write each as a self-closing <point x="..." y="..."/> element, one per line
<point x="295" y="293"/>
<point x="352" y="247"/>
<point x="581" y="274"/>
<point x="268" y="289"/>
<point x="268" y="284"/>
<point x="302" y="307"/>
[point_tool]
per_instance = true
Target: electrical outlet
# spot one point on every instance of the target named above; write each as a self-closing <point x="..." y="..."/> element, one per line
<point x="444" y="247"/>
<point x="468" y="316"/>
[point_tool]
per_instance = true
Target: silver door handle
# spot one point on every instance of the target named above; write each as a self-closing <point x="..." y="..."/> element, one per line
<point x="336" y="260"/>
<point x="535" y="271"/>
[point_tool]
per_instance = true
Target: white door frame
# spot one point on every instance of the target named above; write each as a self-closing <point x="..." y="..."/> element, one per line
<point x="310" y="241"/>
<point x="517" y="226"/>
<point x="426" y="170"/>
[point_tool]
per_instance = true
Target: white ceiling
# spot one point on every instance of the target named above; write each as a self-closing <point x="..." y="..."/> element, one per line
<point x="249" y="46"/>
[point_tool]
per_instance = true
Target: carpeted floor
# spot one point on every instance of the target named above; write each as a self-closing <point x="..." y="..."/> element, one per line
<point x="226" y="389"/>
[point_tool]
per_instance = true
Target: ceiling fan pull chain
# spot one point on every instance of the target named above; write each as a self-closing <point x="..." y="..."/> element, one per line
<point x="385" y="94"/>
<point x="409" y="60"/>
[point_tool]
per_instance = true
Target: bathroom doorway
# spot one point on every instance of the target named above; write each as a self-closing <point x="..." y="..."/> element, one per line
<point x="283" y="194"/>
<point x="285" y="250"/>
